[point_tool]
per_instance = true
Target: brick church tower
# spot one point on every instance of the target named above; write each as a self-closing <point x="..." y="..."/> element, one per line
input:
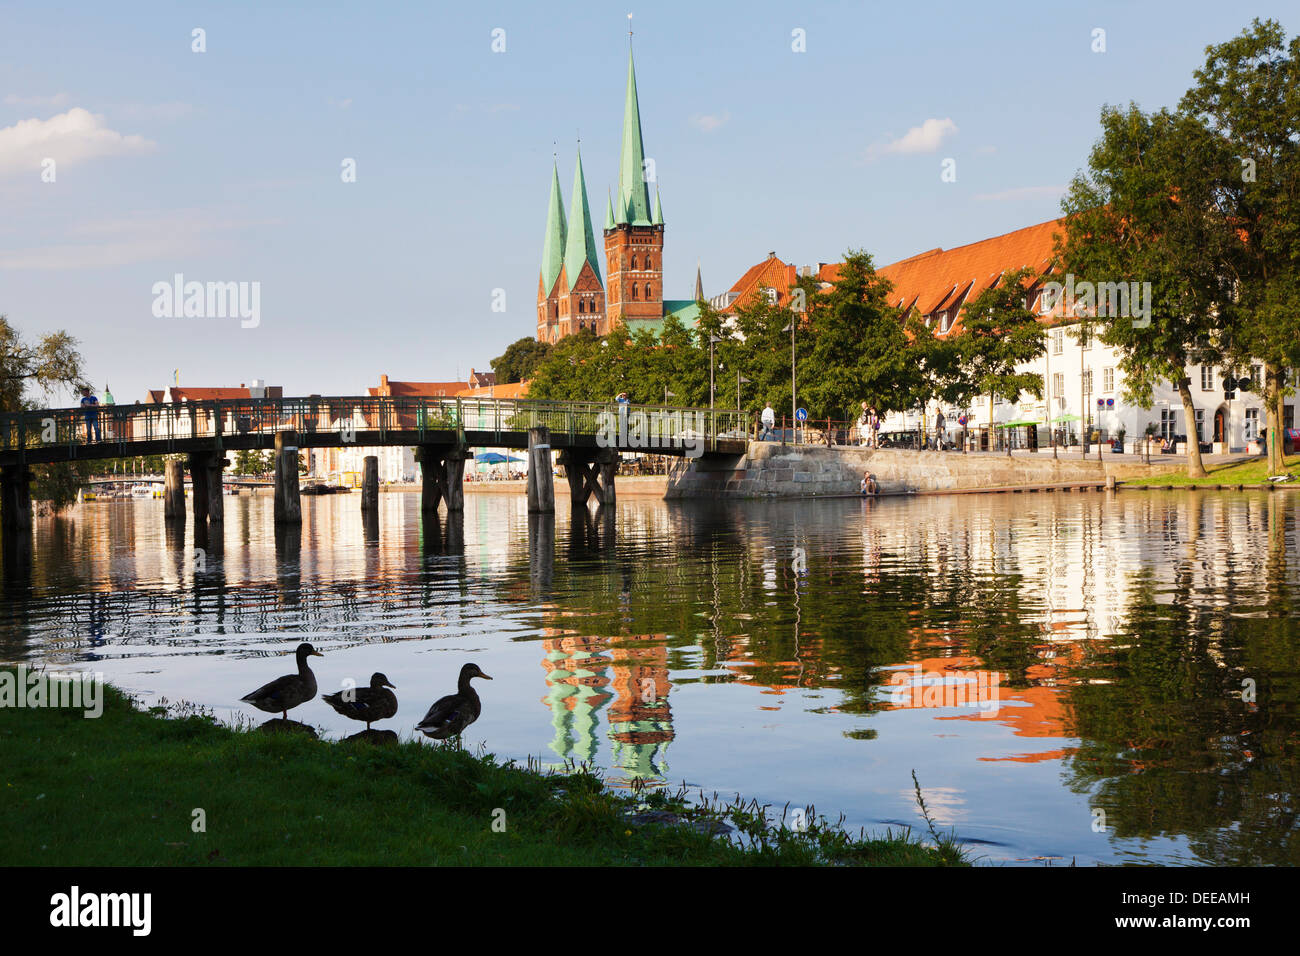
<point x="570" y="294"/>
<point x="634" y="235"/>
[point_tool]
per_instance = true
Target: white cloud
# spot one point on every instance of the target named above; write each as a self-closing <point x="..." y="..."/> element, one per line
<point x="58" y="99"/>
<point x="925" y="138"/>
<point x="166" y="112"/>
<point x="1023" y="192"/>
<point x="708" y="122"/>
<point x="72" y="137"/>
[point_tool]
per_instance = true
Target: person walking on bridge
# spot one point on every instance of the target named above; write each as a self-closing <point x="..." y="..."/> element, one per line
<point x="768" y="419"/>
<point x="90" y="406"/>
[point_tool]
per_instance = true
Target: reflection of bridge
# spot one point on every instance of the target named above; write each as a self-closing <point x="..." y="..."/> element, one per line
<point x="589" y="437"/>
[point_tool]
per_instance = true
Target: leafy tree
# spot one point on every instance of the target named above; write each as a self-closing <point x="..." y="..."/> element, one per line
<point x="1248" y="96"/>
<point x="51" y="363"/>
<point x="519" y="360"/>
<point x="1145" y="213"/>
<point x="860" y="348"/>
<point x="999" y="334"/>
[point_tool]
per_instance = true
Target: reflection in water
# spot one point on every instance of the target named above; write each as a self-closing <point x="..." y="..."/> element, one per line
<point x="1034" y="658"/>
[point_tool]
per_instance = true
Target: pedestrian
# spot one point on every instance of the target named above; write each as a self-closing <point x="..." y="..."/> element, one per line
<point x="864" y="426"/>
<point x="769" y="422"/>
<point x="623" y="402"/>
<point x="868" y="485"/>
<point x="939" y="423"/>
<point x="90" y="406"/>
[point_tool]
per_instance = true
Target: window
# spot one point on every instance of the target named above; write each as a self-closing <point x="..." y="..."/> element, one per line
<point x="634" y="263"/>
<point x="1058" y="384"/>
<point x="1207" y="378"/>
<point x="1200" y="424"/>
<point x="634" y="290"/>
<point x="1085" y="339"/>
<point x="1257" y="376"/>
<point x="1167" y="418"/>
<point x="1087" y="381"/>
<point x="1288" y="415"/>
<point x="1252" y="423"/>
<point x="582" y="306"/>
<point x="945" y="320"/>
<point x="1058" y="341"/>
<point x="648" y="293"/>
<point x="1229" y="393"/>
<point x="1108" y="380"/>
<point x="648" y="263"/>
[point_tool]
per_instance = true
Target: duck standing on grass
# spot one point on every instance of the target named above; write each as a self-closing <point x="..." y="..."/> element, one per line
<point x="288" y="691"/>
<point x="449" y="716"/>
<point x="372" y="703"/>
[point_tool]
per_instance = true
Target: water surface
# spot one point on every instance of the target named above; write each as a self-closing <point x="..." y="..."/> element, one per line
<point x="1064" y="673"/>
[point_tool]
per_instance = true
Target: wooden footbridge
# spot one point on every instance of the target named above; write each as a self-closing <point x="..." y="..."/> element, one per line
<point x="588" y="436"/>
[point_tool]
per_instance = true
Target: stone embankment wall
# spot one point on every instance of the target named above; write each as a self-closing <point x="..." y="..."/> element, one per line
<point x="770" y="469"/>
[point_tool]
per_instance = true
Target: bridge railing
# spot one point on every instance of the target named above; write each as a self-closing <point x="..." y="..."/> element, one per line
<point x="121" y="426"/>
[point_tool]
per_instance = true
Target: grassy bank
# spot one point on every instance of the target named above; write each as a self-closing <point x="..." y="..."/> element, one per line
<point x="1253" y="472"/>
<point x="122" y="790"/>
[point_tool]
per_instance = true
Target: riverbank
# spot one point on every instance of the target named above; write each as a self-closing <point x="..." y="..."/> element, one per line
<point x="131" y="788"/>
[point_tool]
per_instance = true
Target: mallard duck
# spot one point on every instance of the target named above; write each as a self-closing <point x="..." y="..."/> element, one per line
<point x="453" y="713"/>
<point x="372" y="703"/>
<point x="290" y="690"/>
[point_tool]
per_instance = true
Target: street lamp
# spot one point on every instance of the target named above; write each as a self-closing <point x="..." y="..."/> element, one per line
<point x="668" y="394"/>
<point x="712" y="339"/>
<point x="740" y="380"/>
<point x="794" y="392"/>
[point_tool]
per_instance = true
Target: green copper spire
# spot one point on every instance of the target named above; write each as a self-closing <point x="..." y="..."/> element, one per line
<point x="633" y="197"/>
<point x="581" y="245"/>
<point x="553" y="248"/>
<point x="609" y="212"/>
<point x="659" y="211"/>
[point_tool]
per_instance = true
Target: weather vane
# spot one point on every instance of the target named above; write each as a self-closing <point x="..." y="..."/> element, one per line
<point x="629" y="24"/>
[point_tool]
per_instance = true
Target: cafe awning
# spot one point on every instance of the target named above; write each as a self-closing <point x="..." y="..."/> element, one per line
<point x="1019" y="424"/>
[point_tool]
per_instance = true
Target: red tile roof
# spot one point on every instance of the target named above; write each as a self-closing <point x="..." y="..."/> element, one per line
<point x="928" y="281"/>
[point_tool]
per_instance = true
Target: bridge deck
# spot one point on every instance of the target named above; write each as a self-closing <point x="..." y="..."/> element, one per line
<point x="335" y="422"/>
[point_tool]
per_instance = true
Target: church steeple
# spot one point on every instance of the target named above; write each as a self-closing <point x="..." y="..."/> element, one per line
<point x="699" y="284"/>
<point x="581" y="244"/>
<point x="633" y="196"/>
<point x="556" y="233"/>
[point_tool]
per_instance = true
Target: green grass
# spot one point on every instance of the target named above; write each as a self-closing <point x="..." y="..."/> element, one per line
<point x="121" y="790"/>
<point x="1253" y="472"/>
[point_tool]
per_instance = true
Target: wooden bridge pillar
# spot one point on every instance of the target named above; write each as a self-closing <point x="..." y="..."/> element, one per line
<point x="541" y="483"/>
<point x="215" y="466"/>
<point x="370" y="485"/>
<point x="198" y="465"/>
<point x="174" y="495"/>
<point x="590" y="474"/>
<point x="454" y="472"/>
<point x="288" y="506"/>
<point x="15" y="501"/>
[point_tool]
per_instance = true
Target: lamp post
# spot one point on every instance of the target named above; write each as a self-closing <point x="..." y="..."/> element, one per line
<point x="712" y="339"/>
<point x="740" y="380"/>
<point x="794" y="391"/>
<point x="667" y="394"/>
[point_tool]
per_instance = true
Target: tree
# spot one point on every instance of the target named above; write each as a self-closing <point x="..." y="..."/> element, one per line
<point x="49" y="364"/>
<point x="860" y="348"/>
<point x="1248" y="96"/>
<point x="519" y="360"/>
<point x="999" y="334"/>
<point x="1145" y="216"/>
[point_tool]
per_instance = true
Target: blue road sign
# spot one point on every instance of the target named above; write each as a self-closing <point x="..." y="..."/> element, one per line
<point x="801" y="414"/>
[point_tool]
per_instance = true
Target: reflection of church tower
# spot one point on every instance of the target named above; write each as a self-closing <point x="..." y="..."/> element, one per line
<point x="634" y="235"/>
<point x="640" y="721"/>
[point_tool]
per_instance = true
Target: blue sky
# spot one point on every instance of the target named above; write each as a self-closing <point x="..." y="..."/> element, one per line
<point x="225" y="165"/>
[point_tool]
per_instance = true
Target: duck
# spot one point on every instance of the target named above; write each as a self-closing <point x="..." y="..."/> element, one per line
<point x="288" y="691"/>
<point x="372" y="703"/>
<point x="449" y="716"/>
